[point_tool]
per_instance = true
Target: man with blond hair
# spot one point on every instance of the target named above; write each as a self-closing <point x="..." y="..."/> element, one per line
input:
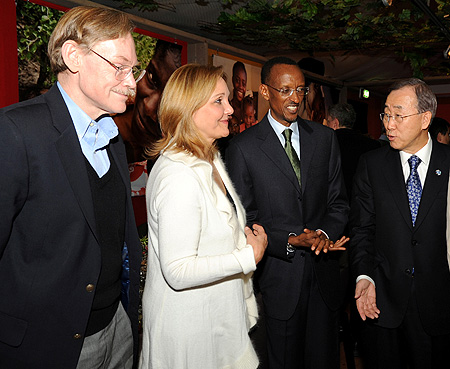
<point x="69" y="250"/>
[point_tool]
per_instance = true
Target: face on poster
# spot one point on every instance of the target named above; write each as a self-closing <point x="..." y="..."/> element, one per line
<point x="243" y="80"/>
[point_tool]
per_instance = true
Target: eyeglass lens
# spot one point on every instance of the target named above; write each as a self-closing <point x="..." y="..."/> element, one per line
<point x="301" y="91"/>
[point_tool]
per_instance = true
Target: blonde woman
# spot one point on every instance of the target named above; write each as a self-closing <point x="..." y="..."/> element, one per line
<point x="198" y="303"/>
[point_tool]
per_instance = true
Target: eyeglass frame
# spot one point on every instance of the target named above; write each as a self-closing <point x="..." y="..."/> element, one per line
<point x="397" y="116"/>
<point x="120" y="69"/>
<point x="305" y="89"/>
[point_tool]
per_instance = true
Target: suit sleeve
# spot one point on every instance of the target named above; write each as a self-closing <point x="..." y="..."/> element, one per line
<point x="239" y="172"/>
<point x="362" y="223"/>
<point x="336" y="216"/>
<point x="13" y="178"/>
<point x="178" y="203"/>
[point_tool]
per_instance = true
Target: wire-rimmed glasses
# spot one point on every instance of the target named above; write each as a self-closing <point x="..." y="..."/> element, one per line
<point x="385" y="117"/>
<point x="287" y="92"/>
<point x="124" y="71"/>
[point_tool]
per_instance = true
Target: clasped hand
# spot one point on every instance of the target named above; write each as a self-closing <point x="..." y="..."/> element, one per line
<point x="317" y="241"/>
<point x="257" y="239"/>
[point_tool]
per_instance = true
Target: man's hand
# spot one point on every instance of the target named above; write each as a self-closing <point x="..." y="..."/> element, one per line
<point x="339" y="243"/>
<point x="366" y="300"/>
<point x="317" y="241"/>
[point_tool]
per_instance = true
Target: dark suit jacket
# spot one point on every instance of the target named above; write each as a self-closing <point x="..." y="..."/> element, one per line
<point x="352" y="145"/>
<point x="49" y="250"/>
<point x="271" y="195"/>
<point x="386" y="247"/>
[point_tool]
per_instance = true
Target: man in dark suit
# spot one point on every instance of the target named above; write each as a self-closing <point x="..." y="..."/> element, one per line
<point x="440" y="130"/>
<point x="398" y="242"/>
<point x="302" y="205"/>
<point x="352" y="144"/>
<point x="69" y="250"/>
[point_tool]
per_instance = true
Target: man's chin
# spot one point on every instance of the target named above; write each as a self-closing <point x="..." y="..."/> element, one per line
<point x="119" y="108"/>
<point x="291" y="118"/>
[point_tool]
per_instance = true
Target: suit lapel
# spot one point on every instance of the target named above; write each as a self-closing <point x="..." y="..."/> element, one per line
<point x="272" y="148"/>
<point x="71" y="156"/>
<point x="307" y="148"/>
<point x="120" y="157"/>
<point x="437" y="176"/>
<point x="393" y="174"/>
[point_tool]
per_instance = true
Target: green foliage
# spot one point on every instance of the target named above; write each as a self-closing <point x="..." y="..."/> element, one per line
<point x="304" y="25"/>
<point x="417" y="62"/>
<point x="145" y="48"/>
<point x="142" y="5"/>
<point x="344" y="25"/>
<point x="35" y="24"/>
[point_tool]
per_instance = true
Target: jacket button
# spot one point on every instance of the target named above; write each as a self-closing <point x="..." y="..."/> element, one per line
<point x="408" y="271"/>
<point x="77" y="336"/>
<point x="90" y="287"/>
<point x="414" y="242"/>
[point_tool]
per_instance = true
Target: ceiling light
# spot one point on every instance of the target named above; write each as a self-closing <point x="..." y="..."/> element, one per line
<point x="447" y="53"/>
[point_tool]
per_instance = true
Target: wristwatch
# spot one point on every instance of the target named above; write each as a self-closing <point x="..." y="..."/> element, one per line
<point x="290" y="250"/>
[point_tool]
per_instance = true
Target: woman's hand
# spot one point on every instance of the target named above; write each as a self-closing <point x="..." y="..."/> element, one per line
<point x="257" y="239"/>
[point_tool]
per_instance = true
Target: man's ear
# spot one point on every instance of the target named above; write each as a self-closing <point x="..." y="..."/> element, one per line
<point x="72" y="55"/>
<point x="264" y="91"/>
<point x="333" y="123"/>
<point x="426" y="119"/>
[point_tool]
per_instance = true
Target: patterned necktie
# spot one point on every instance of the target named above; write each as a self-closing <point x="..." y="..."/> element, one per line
<point x="292" y="155"/>
<point x="414" y="187"/>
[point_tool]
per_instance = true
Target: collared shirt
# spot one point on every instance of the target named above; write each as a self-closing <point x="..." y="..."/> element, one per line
<point x="424" y="155"/>
<point x="94" y="135"/>
<point x="280" y="128"/>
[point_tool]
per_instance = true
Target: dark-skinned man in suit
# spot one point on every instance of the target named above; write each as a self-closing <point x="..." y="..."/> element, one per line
<point x="303" y="207"/>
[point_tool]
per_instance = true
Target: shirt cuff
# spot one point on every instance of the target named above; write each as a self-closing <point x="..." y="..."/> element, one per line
<point x="363" y="276"/>
<point x="325" y="233"/>
<point x="290" y="250"/>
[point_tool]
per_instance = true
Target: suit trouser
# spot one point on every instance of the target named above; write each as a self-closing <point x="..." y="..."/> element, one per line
<point x="112" y="347"/>
<point x="407" y="346"/>
<point x="310" y="338"/>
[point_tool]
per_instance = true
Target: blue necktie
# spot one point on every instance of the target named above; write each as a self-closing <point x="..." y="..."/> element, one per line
<point x="414" y="187"/>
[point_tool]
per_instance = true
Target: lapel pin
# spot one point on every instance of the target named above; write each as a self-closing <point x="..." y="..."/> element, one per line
<point x="438" y="172"/>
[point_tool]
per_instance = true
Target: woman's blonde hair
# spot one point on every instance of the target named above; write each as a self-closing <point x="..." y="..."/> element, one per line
<point x="86" y="26"/>
<point x="187" y="90"/>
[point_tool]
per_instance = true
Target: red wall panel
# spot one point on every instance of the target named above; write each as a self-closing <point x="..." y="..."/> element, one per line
<point x="9" y="73"/>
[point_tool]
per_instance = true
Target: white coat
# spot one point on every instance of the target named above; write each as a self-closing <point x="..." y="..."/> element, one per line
<point x="198" y="302"/>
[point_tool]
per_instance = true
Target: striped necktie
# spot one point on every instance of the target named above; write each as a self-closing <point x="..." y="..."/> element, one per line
<point x="292" y="155"/>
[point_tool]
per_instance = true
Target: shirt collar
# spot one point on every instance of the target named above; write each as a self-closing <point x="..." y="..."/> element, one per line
<point x="424" y="153"/>
<point x="107" y="129"/>
<point x="279" y="128"/>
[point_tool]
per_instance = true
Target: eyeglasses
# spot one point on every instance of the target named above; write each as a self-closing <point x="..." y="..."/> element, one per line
<point x="385" y="117"/>
<point x="124" y="71"/>
<point x="287" y="92"/>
